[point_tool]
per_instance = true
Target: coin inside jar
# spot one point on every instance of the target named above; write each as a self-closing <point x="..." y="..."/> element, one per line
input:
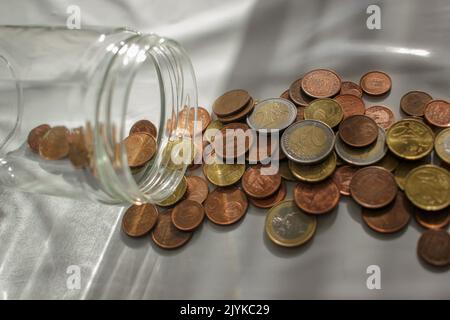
<point x="166" y="235"/>
<point x="230" y="102"/>
<point x="434" y="247"/>
<point x="188" y="215"/>
<point x="437" y="112"/>
<point x="138" y="220"/>
<point x="144" y="126"/>
<point x="376" y="83"/>
<point x="140" y="148"/>
<point x="342" y="177"/>
<point x="358" y="131"/>
<point x="382" y="115"/>
<point x="35" y="136"/>
<point x="326" y="110"/>
<point x="225" y="206"/>
<point x="54" y="145"/>
<point x="413" y="103"/>
<point x="317" y="198"/>
<point x="351" y="105"/>
<point x="373" y="187"/>
<point x="258" y="184"/>
<point x="272" y="114"/>
<point x="176" y="195"/>
<point x="321" y="83"/>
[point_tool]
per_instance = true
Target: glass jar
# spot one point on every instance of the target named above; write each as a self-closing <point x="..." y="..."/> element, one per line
<point x="96" y="83"/>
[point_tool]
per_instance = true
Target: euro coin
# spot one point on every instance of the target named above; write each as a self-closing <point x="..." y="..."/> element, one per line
<point x="442" y="145"/>
<point x="176" y="195"/>
<point x="314" y="172"/>
<point x="325" y="110"/>
<point x="272" y="114"/>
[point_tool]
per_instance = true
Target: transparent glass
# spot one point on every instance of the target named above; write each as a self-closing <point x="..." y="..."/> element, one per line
<point x="97" y="83"/>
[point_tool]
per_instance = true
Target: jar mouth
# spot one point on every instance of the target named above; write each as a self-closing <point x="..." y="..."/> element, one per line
<point x="11" y="102"/>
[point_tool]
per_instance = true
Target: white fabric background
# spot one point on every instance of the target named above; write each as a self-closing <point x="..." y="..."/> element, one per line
<point x="261" y="46"/>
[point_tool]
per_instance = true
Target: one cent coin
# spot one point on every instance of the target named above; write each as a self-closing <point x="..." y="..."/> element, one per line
<point x="197" y="189"/>
<point x="188" y="215"/>
<point x="413" y="103"/>
<point x="317" y="198"/>
<point x="54" y="145"/>
<point x="391" y="218"/>
<point x="373" y="187"/>
<point x="140" y="147"/>
<point x="358" y="131"/>
<point x="376" y="83"/>
<point x="432" y="220"/>
<point x="297" y="95"/>
<point x="437" y="112"/>
<point x="35" y="136"/>
<point x="351" y="105"/>
<point x="342" y="177"/>
<point x="240" y="115"/>
<point x="166" y="235"/>
<point x="383" y="116"/>
<point x="258" y="184"/>
<point x="230" y="102"/>
<point x="139" y="220"/>
<point x="144" y="126"/>
<point x="187" y="120"/>
<point x="225" y="206"/>
<point x="269" y="202"/>
<point x="321" y="83"/>
<point x="349" y="87"/>
<point x="434" y="247"/>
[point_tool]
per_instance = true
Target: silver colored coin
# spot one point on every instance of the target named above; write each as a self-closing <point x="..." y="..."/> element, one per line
<point x="272" y="114"/>
<point x="307" y="141"/>
<point x="362" y="156"/>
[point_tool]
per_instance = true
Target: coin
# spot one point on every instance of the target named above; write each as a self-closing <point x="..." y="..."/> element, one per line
<point x="140" y="148"/>
<point x="410" y="139"/>
<point x="225" y="206"/>
<point x="212" y="129"/>
<point x="376" y="83"/>
<point x="383" y="116"/>
<point x="259" y="185"/>
<point x="428" y="187"/>
<point x="314" y="172"/>
<point x="54" y="145"/>
<point x="188" y="121"/>
<point x="321" y="83"/>
<point x="373" y="187"/>
<point x="442" y="145"/>
<point x="358" y="131"/>
<point x="389" y="162"/>
<point x="413" y="103"/>
<point x="437" y="112"/>
<point x="362" y="156"/>
<point x="432" y="220"/>
<point x="300" y="114"/>
<point x="35" y="136"/>
<point x="247" y="109"/>
<point x="237" y="138"/>
<point x="78" y="151"/>
<point x="307" y="141"/>
<point x="297" y="95"/>
<point x="179" y="192"/>
<point x="342" y="177"/>
<point x="288" y="226"/>
<point x="197" y="189"/>
<point x="391" y="218"/>
<point x="166" y="235"/>
<point x="317" y="198"/>
<point x="272" y="200"/>
<point x="272" y="114"/>
<point x="222" y="174"/>
<point x="230" y="102"/>
<point x="144" y="126"/>
<point x="139" y="220"/>
<point x="325" y="110"/>
<point x="351" y="105"/>
<point x="434" y="247"/>
<point x="188" y="215"/>
<point x="285" y="172"/>
<point x="261" y="151"/>
<point x="402" y="170"/>
<point x="349" y="87"/>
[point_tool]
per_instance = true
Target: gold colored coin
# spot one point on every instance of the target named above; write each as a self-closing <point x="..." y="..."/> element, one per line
<point x="389" y="162"/>
<point x="410" y="139"/>
<point x="428" y="187"/>
<point x="176" y="195"/>
<point x="222" y="174"/>
<point x="315" y="172"/>
<point x="285" y="172"/>
<point x="178" y="153"/>
<point x="402" y="170"/>
<point x="212" y="129"/>
<point x="442" y="145"/>
<point x="288" y="226"/>
<point x="325" y="110"/>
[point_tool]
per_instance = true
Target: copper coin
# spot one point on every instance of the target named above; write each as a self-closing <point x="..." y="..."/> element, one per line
<point x="248" y="108"/>
<point x="144" y="126"/>
<point x="373" y="187"/>
<point x="237" y="138"/>
<point x="297" y="95"/>
<point x="35" y="136"/>
<point x="186" y="120"/>
<point x="139" y="220"/>
<point x="342" y="177"/>
<point x="351" y="105"/>
<point x="432" y="220"/>
<point x="54" y="145"/>
<point x="300" y="114"/>
<point x="197" y="189"/>
<point x="383" y="116"/>
<point x="78" y="148"/>
<point x="376" y="83"/>
<point x="321" y="83"/>
<point x="434" y="247"/>
<point x="140" y="147"/>
<point x="358" y="131"/>
<point x="225" y="206"/>
<point x="317" y="198"/>
<point x="257" y="184"/>
<point x="349" y="87"/>
<point x="391" y="218"/>
<point x="261" y="151"/>
<point x="166" y="235"/>
<point x="437" y="112"/>
<point x="188" y="215"/>
<point x="269" y="202"/>
<point x="413" y="103"/>
<point x="230" y="102"/>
